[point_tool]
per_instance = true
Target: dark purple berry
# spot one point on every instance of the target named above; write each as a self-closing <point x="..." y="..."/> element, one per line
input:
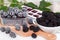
<point x="25" y="28"/>
<point x="34" y="35"/>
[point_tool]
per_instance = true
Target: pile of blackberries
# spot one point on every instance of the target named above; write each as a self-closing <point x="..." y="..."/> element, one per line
<point x="49" y="19"/>
<point x="14" y="12"/>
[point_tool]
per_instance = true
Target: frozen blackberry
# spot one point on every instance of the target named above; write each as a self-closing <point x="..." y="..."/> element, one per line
<point x="47" y="21"/>
<point x="30" y="21"/>
<point x="32" y="27"/>
<point x="34" y="35"/>
<point x="2" y="29"/>
<point x="12" y="35"/>
<point x="7" y="30"/>
<point x="17" y="27"/>
<point x="50" y="25"/>
<point x="25" y="28"/>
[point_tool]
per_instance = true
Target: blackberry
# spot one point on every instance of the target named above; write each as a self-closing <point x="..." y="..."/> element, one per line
<point x="57" y="15"/>
<point x="40" y="20"/>
<point x="25" y="28"/>
<point x="36" y="29"/>
<point x="12" y="34"/>
<point x="50" y="25"/>
<point x="47" y="13"/>
<point x="34" y="35"/>
<point x="2" y="29"/>
<point x="32" y="27"/>
<point x="46" y="21"/>
<point x="7" y="30"/>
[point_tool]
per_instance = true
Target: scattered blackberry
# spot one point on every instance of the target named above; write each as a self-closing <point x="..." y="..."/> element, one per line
<point x="32" y="27"/>
<point x="12" y="34"/>
<point x="57" y="15"/>
<point x="50" y="25"/>
<point x="36" y="29"/>
<point x="34" y="35"/>
<point x="2" y="29"/>
<point x="25" y="28"/>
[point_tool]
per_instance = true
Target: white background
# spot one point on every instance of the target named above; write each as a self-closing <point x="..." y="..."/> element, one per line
<point x="56" y="7"/>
